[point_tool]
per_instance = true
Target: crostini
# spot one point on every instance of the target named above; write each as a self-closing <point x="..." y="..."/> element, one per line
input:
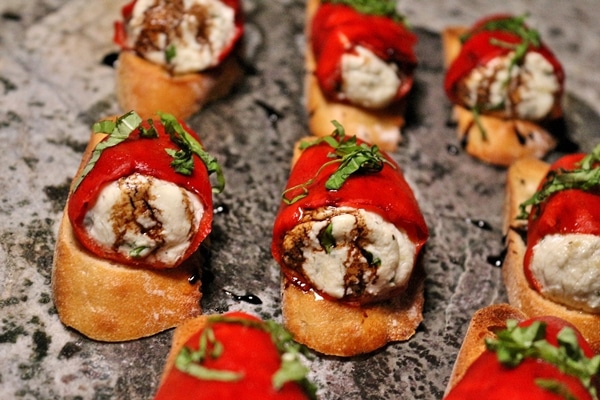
<point x="506" y="355"/>
<point x="177" y="56"/>
<point x="126" y="263"/>
<point x="506" y="87"/>
<point x="347" y="237"/>
<point x="552" y="224"/>
<point x="360" y="64"/>
<point x="231" y="356"/>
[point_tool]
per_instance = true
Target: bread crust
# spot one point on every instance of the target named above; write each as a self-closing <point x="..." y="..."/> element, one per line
<point x="110" y="302"/>
<point x="381" y="127"/>
<point x="484" y="324"/>
<point x="338" y="329"/>
<point x="523" y="179"/>
<point x="491" y="139"/>
<point x="148" y="88"/>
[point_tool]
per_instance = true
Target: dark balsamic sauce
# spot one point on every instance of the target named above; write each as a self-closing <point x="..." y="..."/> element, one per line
<point x="221" y="209"/>
<point x="497" y="261"/>
<point x="453" y="149"/>
<point x="110" y="59"/>
<point x="481" y="224"/>
<point x="248" y="297"/>
<point x="195" y="278"/>
<point x="272" y="114"/>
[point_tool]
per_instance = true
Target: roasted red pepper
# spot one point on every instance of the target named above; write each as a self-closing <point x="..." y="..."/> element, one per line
<point x="532" y="379"/>
<point x="146" y="156"/>
<point x="385" y="193"/>
<point x="246" y="350"/>
<point x="337" y="29"/>
<point x="564" y="212"/>
<point x="120" y="27"/>
<point x="482" y="44"/>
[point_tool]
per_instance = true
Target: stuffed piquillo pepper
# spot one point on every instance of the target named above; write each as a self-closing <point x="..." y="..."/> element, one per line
<point x="232" y="356"/>
<point x="507" y="88"/>
<point x="536" y="358"/>
<point x="126" y="262"/>
<point x="361" y="64"/>
<point x="349" y="229"/>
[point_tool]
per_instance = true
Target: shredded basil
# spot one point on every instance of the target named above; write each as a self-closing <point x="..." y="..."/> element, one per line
<point x="170" y="53"/>
<point x="384" y="8"/>
<point x="514" y="344"/>
<point x="351" y="157"/>
<point x="118" y="131"/>
<point x="585" y="177"/>
<point x="326" y="238"/>
<point x="183" y="161"/>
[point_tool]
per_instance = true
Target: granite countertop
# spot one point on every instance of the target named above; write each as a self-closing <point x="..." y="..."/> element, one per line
<point x="54" y="83"/>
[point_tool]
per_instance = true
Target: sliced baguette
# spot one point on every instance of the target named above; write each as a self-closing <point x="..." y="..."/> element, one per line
<point x="148" y="88"/>
<point x="109" y="302"/>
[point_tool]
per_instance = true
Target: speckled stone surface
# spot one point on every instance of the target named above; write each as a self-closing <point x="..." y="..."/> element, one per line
<point x="54" y="85"/>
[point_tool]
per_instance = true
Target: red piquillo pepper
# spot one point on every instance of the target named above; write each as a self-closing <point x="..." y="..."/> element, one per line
<point x="120" y="27"/>
<point x="147" y="156"/>
<point x="572" y="210"/>
<point x="245" y="367"/>
<point x="380" y="188"/>
<point x="492" y="37"/>
<point x="537" y="375"/>
<point x="337" y="29"/>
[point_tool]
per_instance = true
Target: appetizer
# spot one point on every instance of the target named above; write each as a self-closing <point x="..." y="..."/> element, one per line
<point x="360" y="62"/>
<point x="553" y="238"/>
<point x="506" y="356"/>
<point x="347" y="237"/>
<point x="126" y="263"/>
<point x="176" y="55"/>
<point x="233" y="356"/>
<point x="506" y="87"/>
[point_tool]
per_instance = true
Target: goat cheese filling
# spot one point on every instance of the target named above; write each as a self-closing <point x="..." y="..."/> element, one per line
<point x="182" y="35"/>
<point x="525" y="91"/>
<point x="568" y="269"/>
<point x="350" y="253"/>
<point x="367" y="80"/>
<point x="144" y="217"/>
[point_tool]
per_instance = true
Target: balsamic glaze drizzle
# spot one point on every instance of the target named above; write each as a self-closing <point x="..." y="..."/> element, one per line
<point x="221" y="209"/>
<point x="248" y="297"/>
<point x="110" y="59"/>
<point x="486" y="226"/>
<point x="497" y="261"/>
<point x="272" y="114"/>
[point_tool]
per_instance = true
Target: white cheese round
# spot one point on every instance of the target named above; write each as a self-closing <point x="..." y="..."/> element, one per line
<point x="367" y="80"/>
<point x="525" y="91"/>
<point x="568" y="269"/>
<point x="197" y="35"/>
<point x="357" y="233"/>
<point x="144" y="217"/>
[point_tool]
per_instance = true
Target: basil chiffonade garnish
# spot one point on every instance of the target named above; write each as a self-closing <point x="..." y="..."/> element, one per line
<point x="515" y="343"/>
<point x="183" y="162"/>
<point x="383" y="8"/>
<point x="586" y="177"/>
<point x="351" y="157"/>
<point x="291" y="370"/>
